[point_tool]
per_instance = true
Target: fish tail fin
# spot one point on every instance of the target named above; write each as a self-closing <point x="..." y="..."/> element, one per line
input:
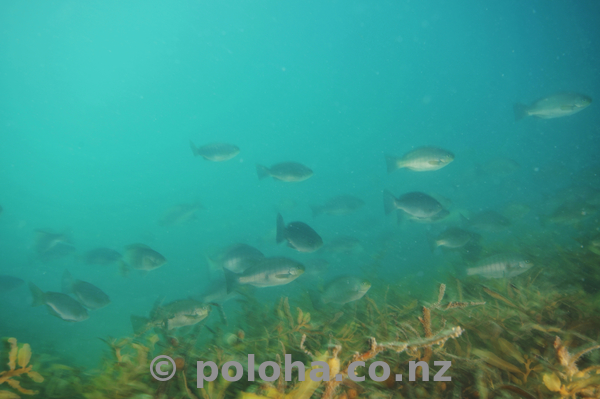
<point x="399" y="217"/>
<point x="316" y="300"/>
<point x="521" y="111"/>
<point x="262" y="171"/>
<point x="392" y="163"/>
<point x="316" y="210"/>
<point x="280" y="229"/>
<point x="214" y="269"/>
<point x="194" y="148"/>
<point x="140" y="324"/>
<point x="231" y="280"/>
<point x="38" y="295"/>
<point x="389" y="202"/>
<point x="471" y="271"/>
<point x="67" y="283"/>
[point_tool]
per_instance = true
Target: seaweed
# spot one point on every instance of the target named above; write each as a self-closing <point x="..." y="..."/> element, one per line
<point x="18" y="355"/>
<point x="532" y="336"/>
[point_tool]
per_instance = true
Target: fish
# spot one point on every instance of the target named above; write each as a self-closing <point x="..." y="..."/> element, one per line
<point x="51" y="246"/>
<point x="237" y="258"/>
<point x="338" y="206"/>
<point x="340" y="291"/>
<point x="216" y="152"/>
<point x="421" y="159"/>
<point x="316" y="267"/>
<point x="343" y="244"/>
<point x="453" y="237"/>
<point x="285" y="171"/>
<point x="417" y="204"/>
<point x="217" y="293"/>
<point x="87" y="294"/>
<point x="142" y="257"/>
<point x="268" y="272"/>
<point x="553" y="106"/>
<point x="504" y="265"/>
<point x="58" y="304"/>
<point x="101" y="256"/>
<point x="299" y="235"/>
<point x="9" y="283"/>
<point x="571" y="212"/>
<point x="441" y="215"/>
<point x="515" y="210"/>
<point x="176" y="314"/>
<point x="490" y="221"/>
<point x="180" y="214"/>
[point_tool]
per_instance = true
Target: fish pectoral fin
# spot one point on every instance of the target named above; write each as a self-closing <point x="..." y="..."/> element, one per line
<point x="434" y="162"/>
<point x="282" y="275"/>
<point x="567" y="107"/>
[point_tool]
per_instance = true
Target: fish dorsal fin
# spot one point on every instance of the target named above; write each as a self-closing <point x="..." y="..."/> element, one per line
<point x="157" y="306"/>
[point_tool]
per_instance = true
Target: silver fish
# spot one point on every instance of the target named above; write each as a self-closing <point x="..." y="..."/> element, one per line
<point x="554" y="106"/>
<point x="316" y="267"/>
<point x="88" y="294"/>
<point x="453" y="237"/>
<point x="501" y="266"/>
<point x="490" y="221"/>
<point x="268" y="272"/>
<point x="176" y="314"/>
<point x="341" y="291"/>
<point x="60" y="305"/>
<point x="422" y="159"/>
<point x="216" y="152"/>
<point x="51" y="246"/>
<point x="343" y="244"/>
<point x="416" y="204"/>
<point x="285" y="171"/>
<point x="299" y="235"/>
<point x="438" y="217"/>
<point x="101" y="256"/>
<point x="339" y="205"/>
<point x="142" y="257"/>
<point x="236" y="258"/>
<point x="216" y="293"/>
<point x="180" y="214"/>
<point x="571" y="213"/>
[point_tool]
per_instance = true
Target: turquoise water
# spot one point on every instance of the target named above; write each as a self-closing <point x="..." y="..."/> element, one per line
<point x="98" y="101"/>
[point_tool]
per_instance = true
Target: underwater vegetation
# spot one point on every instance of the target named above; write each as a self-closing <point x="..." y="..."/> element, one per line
<point x="532" y="336"/>
<point x="18" y="355"/>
